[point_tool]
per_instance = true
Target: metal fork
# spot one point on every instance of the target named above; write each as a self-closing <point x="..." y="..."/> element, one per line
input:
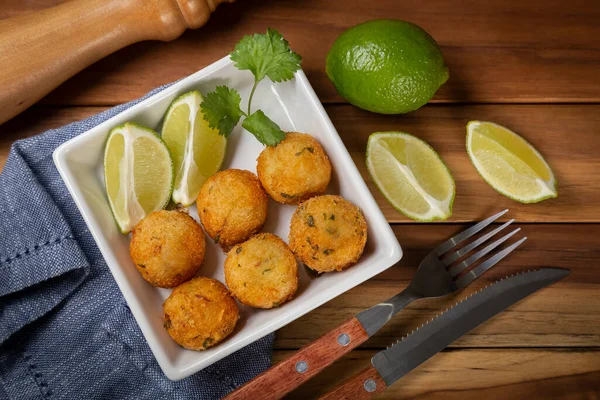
<point x="435" y="277"/>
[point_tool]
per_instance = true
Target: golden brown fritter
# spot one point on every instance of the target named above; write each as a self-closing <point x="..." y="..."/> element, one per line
<point x="200" y="313"/>
<point x="328" y="233"/>
<point x="262" y="272"/>
<point x="294" y="170"/>
<point x="167" y="248"/>
<point x="232" y="206"/>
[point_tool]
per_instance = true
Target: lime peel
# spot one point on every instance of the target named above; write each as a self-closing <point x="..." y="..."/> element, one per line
<point x="386" y="66"/>
<point x="379" y="155"/>
<point x="124" y="203"/>
<point x="179" y="194"/>
<point x="501" y="172"/>
<point x="189" y="176"/>
<point x="411" y="178"/>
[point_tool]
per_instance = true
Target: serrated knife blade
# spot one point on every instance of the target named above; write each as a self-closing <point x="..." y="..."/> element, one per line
<point x="434" y="336"/>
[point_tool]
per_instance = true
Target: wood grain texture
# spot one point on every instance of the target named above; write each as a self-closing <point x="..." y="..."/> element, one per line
<point x="497" y="51"/>
<point x="565" y="314"/>
<point x="364" y="385"/>
<point x="37" y="120"/>
<point x="284" y="377"/>
<point x="476" y="374"/>
<point x="43" y="49"/>
<point x="565" y="134"/>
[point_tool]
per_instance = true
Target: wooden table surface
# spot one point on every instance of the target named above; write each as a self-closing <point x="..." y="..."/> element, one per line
<point x="531" y="65"/>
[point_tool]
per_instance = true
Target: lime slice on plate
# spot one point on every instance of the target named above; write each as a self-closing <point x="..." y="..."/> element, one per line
<point x="509" y="163"/>
<point x="198" y="151"/>
<point x="138" y="173"/>
<point x="411" y="175"/>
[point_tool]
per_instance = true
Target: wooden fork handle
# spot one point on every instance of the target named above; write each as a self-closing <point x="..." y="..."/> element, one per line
<point x="364" y="385"/>
<point x="43" y="49"/>
<point x="304" y="364"/>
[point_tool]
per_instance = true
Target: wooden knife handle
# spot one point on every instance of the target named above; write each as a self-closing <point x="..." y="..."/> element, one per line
<point x="39" y="51"/>
<point x="364" y="385"/>
<point x="304" y="364"/>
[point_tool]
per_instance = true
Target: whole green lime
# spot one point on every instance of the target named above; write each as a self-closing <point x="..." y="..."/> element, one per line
<point x="386" y="66"/>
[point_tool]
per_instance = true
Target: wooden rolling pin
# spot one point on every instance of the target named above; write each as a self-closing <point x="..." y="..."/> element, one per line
<point x="40" y="51"/>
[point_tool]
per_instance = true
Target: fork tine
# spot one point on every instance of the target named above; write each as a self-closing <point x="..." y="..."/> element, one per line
<point x="484" y="266"/>
<point x="464" y="235"/>
<point x="458" y="268"/>
<point x="461" y="252"/>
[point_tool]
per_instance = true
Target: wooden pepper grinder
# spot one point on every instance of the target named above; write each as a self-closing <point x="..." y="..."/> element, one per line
<point x="40" y="51"/>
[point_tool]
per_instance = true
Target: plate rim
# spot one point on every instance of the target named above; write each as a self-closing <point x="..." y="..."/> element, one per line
<point x="172" y="371"/>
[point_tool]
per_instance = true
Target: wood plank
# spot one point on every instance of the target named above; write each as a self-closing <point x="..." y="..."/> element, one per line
<point x="37" y="120"/>
<point x="566" y="313"/>
<point x="564" y="134"/>
<point x="558" y="245"/>
<point x="477" y="374"/>
<point x="497" y="51"/>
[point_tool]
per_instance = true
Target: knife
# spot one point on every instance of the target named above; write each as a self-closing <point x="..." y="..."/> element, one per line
<point x="409" y="352"/>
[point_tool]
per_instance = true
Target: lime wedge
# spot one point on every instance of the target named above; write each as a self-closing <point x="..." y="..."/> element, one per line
<point x="411" y="175"/>
<point x="509" y="163"/>
<point x="138" y="173"/>
<point x="198" y="151"/>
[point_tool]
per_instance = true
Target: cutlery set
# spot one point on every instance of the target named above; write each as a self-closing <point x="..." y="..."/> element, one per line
<point x="447" y="268"/>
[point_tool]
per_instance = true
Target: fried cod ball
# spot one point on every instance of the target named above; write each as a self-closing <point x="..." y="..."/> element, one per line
<point x="262" y="272"/>
<point x="167" y="248"/>
<point x="294" y="170"/>
<point x="200" y="313"/>
<point x="232" y="206"/>
<point x="328" y="233"/>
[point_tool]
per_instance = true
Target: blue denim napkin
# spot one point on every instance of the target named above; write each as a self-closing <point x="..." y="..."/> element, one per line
<point x="65" y="329"/>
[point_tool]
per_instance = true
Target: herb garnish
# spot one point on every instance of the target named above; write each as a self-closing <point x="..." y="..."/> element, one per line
<point x="314" y="247"/>
<point x="265" y="55"/>
<point x="310" y="149"/>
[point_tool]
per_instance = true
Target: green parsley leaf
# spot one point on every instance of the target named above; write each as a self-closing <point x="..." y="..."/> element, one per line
<point x="266" y="55"/>
<point x="221" y="108"/>
<point x="266" y="131"/>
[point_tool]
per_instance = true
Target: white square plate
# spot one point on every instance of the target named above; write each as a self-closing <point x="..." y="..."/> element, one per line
<point x="295" y="107"/>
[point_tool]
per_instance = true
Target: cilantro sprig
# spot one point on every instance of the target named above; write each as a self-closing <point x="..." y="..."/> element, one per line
<point x="265" y="55"/>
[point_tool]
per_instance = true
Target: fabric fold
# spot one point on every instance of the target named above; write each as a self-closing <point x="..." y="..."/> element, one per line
<point x="65" y="330"/>
<point x="40" y="262"/>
